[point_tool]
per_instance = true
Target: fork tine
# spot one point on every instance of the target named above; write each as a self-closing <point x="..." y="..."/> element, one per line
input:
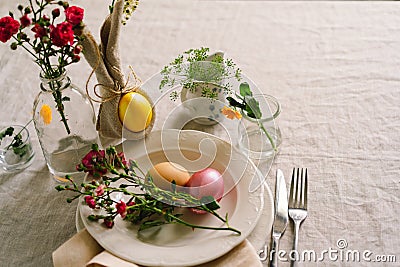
<point x="292" y="195"/>
<point x="301" y="200"/>
<point x="298" y="188"/>
<point x="305" y="189"/>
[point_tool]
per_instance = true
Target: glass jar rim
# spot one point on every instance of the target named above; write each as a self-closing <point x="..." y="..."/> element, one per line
<point x="276" y="110"/>
<point x="21" y="129"/>
<point x="59" y="74"/>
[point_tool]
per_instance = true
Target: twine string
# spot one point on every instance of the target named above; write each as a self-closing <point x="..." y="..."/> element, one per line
<point x="114" y="90"/>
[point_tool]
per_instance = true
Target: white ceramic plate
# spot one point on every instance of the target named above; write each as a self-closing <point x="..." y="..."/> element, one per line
<point x="177" y="245"/>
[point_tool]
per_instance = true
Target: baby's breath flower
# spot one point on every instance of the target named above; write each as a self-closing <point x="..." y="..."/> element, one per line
<point x="129" y="7"/>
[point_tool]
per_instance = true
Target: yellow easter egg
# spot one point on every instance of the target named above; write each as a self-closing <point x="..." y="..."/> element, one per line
<point x="135" y="112"/>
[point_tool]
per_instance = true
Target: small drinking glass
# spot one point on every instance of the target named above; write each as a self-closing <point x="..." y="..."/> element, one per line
<point x="260" y="138"/>
<point x="16" y="155"/>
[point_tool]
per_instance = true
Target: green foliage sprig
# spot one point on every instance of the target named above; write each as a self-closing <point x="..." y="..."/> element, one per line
<point x="150" y="207"/>
<point x="191" y="68"/>
<point x="250" y="106"/>
<point x="17" y="144"/>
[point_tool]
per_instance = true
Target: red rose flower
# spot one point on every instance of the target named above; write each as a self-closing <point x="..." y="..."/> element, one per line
<point x="39" y="31"/>
<point x="62" y="34"/>
<point x="121" y="208"/>
<point x="25" y="21"/>
<point x="74" y="15"/>
<point x="8" y="27"/>
<point x="90" y="202"/>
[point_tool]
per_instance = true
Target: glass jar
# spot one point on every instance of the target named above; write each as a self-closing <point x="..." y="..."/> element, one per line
<point x="260" y="138"/>
<point x="65" y="123"/>
<point x="15" y="155"/>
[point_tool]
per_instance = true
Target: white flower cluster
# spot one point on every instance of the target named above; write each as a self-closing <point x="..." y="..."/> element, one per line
<point x="129" y="7"/>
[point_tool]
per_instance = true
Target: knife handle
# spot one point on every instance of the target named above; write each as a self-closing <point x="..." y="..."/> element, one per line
<point x="274" y="252"/>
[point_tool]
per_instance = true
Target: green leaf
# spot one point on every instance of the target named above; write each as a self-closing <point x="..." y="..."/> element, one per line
<point x="210" y="202"/>
<point x="65" y="98"/>
<point x="213" y="205"/>
<point x="233" y="103"/>
<point x="253" y="107"/>
<point x="8" y="132"/>
<point x="245" y="89"/>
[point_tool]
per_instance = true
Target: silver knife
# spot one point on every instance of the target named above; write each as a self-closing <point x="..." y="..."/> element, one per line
<point x="281" y="216"/>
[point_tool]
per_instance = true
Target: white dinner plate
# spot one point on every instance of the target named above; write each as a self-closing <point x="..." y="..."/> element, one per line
<point x="177" y="245"/>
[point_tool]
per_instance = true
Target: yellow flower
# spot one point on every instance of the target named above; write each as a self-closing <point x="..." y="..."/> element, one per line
<point x="231" y="113"/>
<point x="45" y="113"/>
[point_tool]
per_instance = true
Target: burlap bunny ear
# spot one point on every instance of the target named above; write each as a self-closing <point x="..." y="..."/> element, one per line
<point x="105" y="60"/>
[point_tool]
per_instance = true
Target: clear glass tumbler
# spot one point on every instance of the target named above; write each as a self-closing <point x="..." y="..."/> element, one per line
<point x="15" y="153"/>
<point x="260" y="138"/>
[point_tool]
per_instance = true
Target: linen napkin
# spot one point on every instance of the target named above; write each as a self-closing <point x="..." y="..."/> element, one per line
<point x="82" y="250"/>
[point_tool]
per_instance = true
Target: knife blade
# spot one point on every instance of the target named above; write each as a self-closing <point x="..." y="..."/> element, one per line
<point x="281" y="216"/>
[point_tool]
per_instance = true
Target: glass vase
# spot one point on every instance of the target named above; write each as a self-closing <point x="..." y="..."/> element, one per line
<point x="65" y="123"/>
<point x="261" y="138"/>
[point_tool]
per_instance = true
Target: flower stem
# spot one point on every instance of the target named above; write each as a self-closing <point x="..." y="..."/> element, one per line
<point x="267" y="134"/>
<point x="24" y="47"/>
<point x="205" y="227"/>
<point x="60" y="107"/>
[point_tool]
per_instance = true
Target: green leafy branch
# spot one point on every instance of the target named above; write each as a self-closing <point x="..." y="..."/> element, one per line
<point x="195" y="67"/>
<point x="251" y="107"/>
<point x="148" y="207"/>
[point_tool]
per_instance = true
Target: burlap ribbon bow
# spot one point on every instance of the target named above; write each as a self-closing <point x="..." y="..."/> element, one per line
<point x="106" y="64"/>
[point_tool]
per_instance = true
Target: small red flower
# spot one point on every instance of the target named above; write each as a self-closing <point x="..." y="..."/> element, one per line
<point x="74" y="15"/>
<point x="39" y="31"/>
<point x="99" y="190"/>
<point x="76" y="58"/>
<point x="78" y="49"/>
<point x="93" y="163"/>
<point x="62" y="34"/>
<point x="109" y="223"/>
<point x="25" y="21"/>
<point x="8" y="27"/>
<point x="121" y="156"/>
<point x="121" y="208"/>
<point x="55" y="12"/>
<point x="90" y="202"/>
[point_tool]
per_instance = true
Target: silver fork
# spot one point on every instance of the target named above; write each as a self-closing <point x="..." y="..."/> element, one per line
<point x="298" y="203"/>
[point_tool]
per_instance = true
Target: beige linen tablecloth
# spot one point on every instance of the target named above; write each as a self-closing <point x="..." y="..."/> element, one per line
<point x="334" y="66"/>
